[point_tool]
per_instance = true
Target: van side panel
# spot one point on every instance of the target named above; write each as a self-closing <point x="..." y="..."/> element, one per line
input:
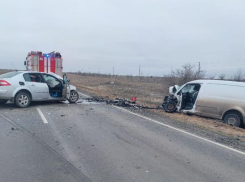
<point x="219" y="98"/>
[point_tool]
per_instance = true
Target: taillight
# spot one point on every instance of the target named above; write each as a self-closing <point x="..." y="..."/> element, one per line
<point x="4" y="83"/>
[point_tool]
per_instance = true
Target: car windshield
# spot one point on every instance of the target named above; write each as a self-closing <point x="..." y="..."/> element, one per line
<point x="9" y="74"/>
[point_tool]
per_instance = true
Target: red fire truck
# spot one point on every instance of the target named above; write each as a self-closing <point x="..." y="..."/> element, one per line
<point x="51" y="62"/>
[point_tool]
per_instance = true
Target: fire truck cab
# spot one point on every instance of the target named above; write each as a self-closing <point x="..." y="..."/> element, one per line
<point x="51" y="62"/>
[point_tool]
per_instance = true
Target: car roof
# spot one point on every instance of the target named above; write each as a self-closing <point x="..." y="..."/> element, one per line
<point x="29" y="72"/>
<point x="51" y="73"/>
<point x="218" y="82"/>
<point x="36" y="72"/>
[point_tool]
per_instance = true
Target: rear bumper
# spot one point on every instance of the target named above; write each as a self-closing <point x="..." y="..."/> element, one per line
<point x="5" y="94"/>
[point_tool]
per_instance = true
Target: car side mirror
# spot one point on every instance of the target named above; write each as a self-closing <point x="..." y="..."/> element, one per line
<point x="25" y="63"/>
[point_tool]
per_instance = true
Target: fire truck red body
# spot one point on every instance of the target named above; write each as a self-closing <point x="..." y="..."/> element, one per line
<point x="51" y="62"/>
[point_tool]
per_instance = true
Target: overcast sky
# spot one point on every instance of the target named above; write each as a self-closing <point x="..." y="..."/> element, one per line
<point x="97" y="35"/>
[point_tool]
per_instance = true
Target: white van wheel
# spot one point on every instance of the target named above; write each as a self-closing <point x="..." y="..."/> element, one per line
<point x="233" y="119"/>
<point x="170" y="107"/>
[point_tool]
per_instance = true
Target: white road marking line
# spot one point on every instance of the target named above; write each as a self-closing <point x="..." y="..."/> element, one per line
<point x="182" y="131"/>
<point x="42" y="116"/>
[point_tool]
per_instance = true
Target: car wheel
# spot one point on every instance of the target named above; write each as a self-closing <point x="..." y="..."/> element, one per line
<point x="233" y="119"/>
<point x="74" y="96"/>
<point x="3" y="101"/>
<point x="170" y="106"/>
<point x="22" y="99"/>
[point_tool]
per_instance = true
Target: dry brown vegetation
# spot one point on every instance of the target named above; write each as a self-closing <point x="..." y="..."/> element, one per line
<point x="3" y="71"/>
<point x="123" y="87"/>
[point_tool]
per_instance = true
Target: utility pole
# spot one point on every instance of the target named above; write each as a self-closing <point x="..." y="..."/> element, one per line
<point x="139" y="73"/>
<point x="139" y="70"/>
<point x="113" y="71"/>
<point x="199" y="70"/>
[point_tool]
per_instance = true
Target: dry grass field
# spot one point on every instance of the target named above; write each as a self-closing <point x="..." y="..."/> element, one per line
<point x="3" y="71"/>
<point x="123" y="87"/>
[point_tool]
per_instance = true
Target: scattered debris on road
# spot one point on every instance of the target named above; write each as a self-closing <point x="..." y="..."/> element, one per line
<point x="121" y="102"/>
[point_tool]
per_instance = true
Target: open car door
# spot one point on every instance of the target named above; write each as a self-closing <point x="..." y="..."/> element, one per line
<point x="66" y="87"/>
<point x="187" y="97"/>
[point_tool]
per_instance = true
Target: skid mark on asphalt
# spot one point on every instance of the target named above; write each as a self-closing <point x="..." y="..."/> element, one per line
<point x="42" y="116"/>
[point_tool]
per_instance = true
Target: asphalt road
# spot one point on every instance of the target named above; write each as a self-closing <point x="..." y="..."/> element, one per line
<point x="99" y="142"/>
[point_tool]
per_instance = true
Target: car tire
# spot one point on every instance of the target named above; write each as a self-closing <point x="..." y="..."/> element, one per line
<point x="22" y="100"/>
<point x="170" y="107"/>
<point x="3" y="101"/>
<point x="74" y="96"/>
<point x="233" y="119"/>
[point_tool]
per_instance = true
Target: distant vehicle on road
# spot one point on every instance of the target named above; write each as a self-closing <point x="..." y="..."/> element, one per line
<point x="22" y="87"/>
<point x="211" y="98"/>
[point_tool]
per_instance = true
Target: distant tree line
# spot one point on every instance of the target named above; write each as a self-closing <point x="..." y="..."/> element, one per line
<point x="186" y="73"/>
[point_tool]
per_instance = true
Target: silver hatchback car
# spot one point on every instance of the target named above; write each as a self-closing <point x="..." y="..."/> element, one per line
<point x="22" y="87"/>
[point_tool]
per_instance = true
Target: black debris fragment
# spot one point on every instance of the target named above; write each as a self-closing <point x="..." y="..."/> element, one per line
<point x="62" y="115"/>
<point x="121" y="102"/>
<point x="12" y="128"/>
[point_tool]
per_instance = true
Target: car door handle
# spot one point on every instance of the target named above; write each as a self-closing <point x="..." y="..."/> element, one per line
<point x="32" y="85"/>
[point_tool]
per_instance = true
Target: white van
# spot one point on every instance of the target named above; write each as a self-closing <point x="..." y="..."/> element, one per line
<point x="211" y="98"/>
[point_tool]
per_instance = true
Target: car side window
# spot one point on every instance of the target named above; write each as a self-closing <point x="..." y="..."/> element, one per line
<point x="33" y="77"/>
<point x="185" y="89"/>
<point x="51" y="81"/>
<point x="27" y="77"/>
<point x="189" y="88"/>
